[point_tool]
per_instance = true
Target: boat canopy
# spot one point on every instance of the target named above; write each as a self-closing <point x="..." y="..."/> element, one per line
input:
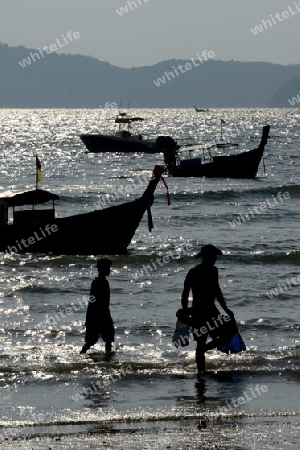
<point x="33" y="197"/>
<point x="191" y="147"/>
<point x="128" y="119"/>
<point x="227" y="145"/>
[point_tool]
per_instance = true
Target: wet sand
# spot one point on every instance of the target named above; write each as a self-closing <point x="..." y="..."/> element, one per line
<point x="254" y="433"/>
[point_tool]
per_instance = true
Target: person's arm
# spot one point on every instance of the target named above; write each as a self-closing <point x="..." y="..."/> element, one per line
<point x="186" y="290"/>
<point x="223" y="303"/>
<point x="221" y="299"/>
<point x="92" y="304"/>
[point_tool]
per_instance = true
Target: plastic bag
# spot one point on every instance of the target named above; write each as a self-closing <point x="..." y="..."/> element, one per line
<point x="234" y="345"/>
<point x="181" y="337"/>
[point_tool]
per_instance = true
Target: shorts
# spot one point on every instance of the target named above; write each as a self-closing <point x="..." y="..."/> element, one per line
<point x="104" y="328"/>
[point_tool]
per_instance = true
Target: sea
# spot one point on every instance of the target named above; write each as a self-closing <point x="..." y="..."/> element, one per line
<point x="147" y="394"/>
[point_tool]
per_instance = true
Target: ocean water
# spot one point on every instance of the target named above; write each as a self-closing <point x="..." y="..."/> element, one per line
<point x="148" y="395"/>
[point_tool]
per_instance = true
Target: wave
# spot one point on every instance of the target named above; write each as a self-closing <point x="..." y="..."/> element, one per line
<point x="177" y="254"/>
<point x="241" y="191"/>
<point x="292" y="257"/>
<point x="165" y="363"/>
<point x="148" y="417"/>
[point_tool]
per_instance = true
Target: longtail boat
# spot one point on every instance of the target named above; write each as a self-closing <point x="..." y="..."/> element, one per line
<point x="106" y="231"/>
<point x="239" y="165"/>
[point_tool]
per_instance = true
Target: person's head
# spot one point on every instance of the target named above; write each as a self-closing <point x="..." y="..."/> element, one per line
<point x="103" y="266"/>
<point x="209" y="254"/>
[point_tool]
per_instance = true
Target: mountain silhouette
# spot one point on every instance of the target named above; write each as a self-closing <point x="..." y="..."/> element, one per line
<point x="288" y="96"/>
<point x="77" y="81"/>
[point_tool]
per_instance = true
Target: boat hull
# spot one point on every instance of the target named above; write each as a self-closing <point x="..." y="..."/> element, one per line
<point x="101" y="232"/>
<point x="243" y="165"/>
<point x="92" y="233"/>
<point x="98" y="143"/>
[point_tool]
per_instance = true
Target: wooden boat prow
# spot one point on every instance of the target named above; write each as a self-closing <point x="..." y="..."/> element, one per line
<point x="106" y="231"/>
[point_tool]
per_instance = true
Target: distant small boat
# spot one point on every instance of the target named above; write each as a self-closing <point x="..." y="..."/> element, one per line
<point x="200" y="109"/>
<point x="122" y="141"/>
<point x="106" y="231"/>
<point x="241" y="165"/>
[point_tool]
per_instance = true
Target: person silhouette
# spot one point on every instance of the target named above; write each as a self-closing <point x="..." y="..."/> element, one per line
<point x="203" y="280"/>
<point x="98" y="318"/>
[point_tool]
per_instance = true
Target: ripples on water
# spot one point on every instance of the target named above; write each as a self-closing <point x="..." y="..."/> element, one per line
<point x="40" y="366"/>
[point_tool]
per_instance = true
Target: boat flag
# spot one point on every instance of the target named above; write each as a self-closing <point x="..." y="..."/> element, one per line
<point x="38" y="169"/>
<point x="223" y="122"/>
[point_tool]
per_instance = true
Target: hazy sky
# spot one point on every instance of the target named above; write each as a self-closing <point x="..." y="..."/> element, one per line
<point x="157" y="30"/>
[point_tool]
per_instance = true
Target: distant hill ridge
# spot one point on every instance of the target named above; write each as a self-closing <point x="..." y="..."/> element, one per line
<point x="76" y="81"/>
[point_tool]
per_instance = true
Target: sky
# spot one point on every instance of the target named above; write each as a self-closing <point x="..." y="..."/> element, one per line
<point x="156" y="30"/>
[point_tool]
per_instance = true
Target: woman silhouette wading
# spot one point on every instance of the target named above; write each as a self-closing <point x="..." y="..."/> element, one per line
<point x="98" y="317"/>
<point x="203" y="280"/>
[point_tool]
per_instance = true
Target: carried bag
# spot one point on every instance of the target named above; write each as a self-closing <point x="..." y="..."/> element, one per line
<point x="181" y="336"/>
<point x="234" y="342"/>
<point x="234" y="345"/>
<point x="226" y="338"/>
<point x="185" y="315"/>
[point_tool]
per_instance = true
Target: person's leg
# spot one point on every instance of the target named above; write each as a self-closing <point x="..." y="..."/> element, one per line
<point x="91" y="338"/>
<point x="87" y="346"/>
<point x="108" y="334"/>
<point x="215" y="342"/>
<point x="200" y="353"/>
<point x="108" y="347"/>
<point x="200" y="358"/>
